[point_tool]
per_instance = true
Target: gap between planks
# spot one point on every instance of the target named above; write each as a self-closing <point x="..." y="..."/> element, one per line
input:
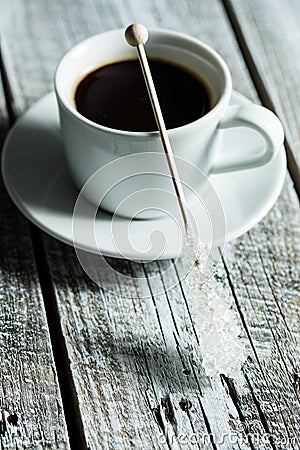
<point x="260" y="86"/>
<point x="61" y="360"/>
<point x="7" y="91"/>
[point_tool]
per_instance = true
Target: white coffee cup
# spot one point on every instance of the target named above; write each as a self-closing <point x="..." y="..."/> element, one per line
<point x="90" y="146"/>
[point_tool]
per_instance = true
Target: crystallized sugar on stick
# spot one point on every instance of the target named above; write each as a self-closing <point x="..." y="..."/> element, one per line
<point x="221" y="350"/>
<point x="215" y="321"/>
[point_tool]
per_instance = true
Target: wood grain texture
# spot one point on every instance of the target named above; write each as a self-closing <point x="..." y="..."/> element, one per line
<point x="270" y="35"/>
<point x="263" y="269"/>
<point x="138" y="367"/>
<point x="31" y="412"/>
<point x="134" y="354"/>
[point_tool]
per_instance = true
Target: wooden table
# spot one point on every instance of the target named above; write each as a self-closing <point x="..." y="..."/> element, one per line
<point x="82" y="368"/>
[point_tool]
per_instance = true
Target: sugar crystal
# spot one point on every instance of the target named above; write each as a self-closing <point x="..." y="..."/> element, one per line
<point x="215" y="320"/>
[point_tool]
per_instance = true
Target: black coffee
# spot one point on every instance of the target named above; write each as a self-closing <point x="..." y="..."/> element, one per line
<point x="116" y="96"/>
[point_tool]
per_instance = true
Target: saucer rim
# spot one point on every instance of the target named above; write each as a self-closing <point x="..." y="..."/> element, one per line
<point x="230" y="235"/>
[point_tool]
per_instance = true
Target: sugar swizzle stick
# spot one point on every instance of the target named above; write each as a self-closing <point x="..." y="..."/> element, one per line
<point x="215" y="320"/>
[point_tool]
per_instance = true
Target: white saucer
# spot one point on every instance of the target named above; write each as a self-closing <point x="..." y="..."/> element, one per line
<point x="36" y="177"/>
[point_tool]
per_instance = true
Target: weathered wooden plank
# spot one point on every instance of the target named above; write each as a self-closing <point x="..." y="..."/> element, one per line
<point x="109" y="368"/>
<point x="263" y="269"/>
<point x="136" y="362"/>
<point x="139" y="361"/>
<point x="269" y="34"/>
<point x="31" y="412"/>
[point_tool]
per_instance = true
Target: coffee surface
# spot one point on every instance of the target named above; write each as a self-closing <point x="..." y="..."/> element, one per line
<point x="116" y="96"/>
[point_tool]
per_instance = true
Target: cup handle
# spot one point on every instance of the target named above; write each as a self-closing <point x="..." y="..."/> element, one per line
<point x="260" y="119"/>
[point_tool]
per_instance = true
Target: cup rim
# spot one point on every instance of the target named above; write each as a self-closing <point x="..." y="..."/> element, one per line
<point x="71" y="110"/>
